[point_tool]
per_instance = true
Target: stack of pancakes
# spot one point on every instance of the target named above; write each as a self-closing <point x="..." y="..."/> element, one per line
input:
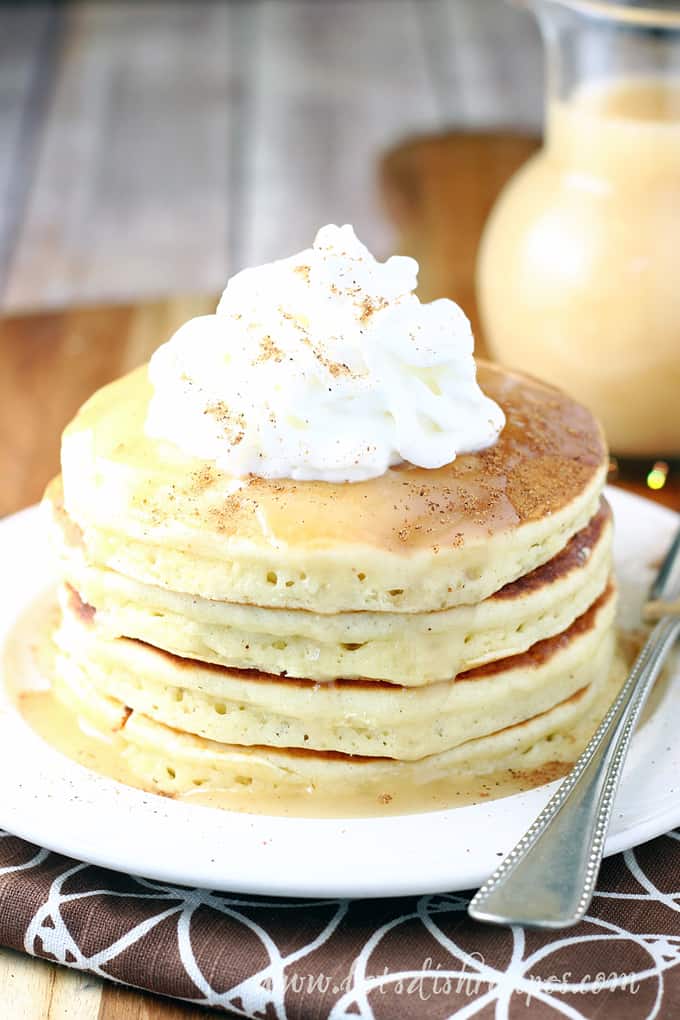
<point x="292" y="636"/>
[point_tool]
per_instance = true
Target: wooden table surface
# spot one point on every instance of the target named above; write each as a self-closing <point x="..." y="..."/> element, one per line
<point x="156" y="147"/>
<point x="50" y="362"/>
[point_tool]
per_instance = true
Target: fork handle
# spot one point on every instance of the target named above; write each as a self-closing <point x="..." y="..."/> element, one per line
<point x="548" y="880"/>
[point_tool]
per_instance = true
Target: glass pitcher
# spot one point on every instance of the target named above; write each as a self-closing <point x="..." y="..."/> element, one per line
<point x="578" y="274"/>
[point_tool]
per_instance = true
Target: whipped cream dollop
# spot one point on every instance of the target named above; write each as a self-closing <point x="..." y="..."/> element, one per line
<point x="326" y="366"/>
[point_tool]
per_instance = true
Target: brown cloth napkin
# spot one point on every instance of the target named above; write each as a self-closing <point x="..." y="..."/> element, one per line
<point x="416" y="957"/>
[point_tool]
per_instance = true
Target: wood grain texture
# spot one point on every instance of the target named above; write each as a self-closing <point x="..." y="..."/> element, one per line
<point x="36" y="990"/>
<point x="28" y="41"/>
<point x="154" y="148"/>
<point x="333" y="83"/>
<point x="129" y="190"/>
<point x="51" y="363"/>
<point x="487" y="63"/>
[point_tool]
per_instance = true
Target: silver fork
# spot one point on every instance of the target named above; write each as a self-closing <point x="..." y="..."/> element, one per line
<point x="548" y="880"/>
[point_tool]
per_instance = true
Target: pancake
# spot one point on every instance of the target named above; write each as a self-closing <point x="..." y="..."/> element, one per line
<point x="349" y="716"/>
<point x="176" y="763"/>
<point x="277" y="636"/>
<point x="411" y="541"/>
<point x="401" y="648"/>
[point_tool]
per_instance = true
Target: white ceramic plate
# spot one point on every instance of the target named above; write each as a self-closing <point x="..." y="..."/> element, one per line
<point x="46" y="798"/>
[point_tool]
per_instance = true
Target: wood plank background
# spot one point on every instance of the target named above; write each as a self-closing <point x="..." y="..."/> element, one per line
<point x="153" y="148"/>
<point x="35" y="990"/>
